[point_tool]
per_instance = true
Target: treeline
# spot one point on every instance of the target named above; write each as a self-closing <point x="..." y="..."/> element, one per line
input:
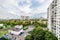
<point x="13" y="22"/>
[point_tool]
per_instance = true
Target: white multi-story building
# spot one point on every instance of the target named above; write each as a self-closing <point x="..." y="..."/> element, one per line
<point x="54" y="18"/>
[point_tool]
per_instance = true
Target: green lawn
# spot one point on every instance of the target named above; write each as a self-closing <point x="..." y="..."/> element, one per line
<point x="3" y="32"/>
<point x="26" y="27"/>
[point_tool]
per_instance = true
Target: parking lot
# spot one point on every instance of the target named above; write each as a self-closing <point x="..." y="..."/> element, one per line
<point x="20" y="37"/>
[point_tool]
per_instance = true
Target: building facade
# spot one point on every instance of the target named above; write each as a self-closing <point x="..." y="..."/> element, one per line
<point x="54" y="18"/>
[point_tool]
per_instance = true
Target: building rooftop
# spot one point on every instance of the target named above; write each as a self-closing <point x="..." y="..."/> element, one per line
<point x="15" y="29"/>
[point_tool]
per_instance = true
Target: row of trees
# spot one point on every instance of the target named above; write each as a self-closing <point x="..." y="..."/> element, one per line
<point x="40" y="34"/>
<point x="21" y="22"/>
<point x="15" y="22"/>
<point x="25" y="23"/>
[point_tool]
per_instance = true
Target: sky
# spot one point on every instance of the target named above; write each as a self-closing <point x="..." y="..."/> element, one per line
<point x="12" y="9"/>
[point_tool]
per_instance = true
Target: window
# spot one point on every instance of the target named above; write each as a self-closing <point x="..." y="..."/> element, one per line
<point x="55" y="13"/>
<point x="55" y="4"/>
<point x="52" y="7"/>
<point x="52" y="11"/>
<point x="53" y="1"/>
<point x="59" y="25"/>
<point x="59" y="28"/>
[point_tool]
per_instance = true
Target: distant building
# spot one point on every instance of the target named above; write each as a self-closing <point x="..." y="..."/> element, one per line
<point x="24" y="18"/>
<point x="41" y="18"/>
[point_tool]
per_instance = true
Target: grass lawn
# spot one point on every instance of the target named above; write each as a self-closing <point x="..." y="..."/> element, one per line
<point x="3" y="32"/>
<point x="26" y="27"/>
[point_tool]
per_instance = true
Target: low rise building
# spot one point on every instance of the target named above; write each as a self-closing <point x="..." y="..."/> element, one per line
<point x="17" y="30"/>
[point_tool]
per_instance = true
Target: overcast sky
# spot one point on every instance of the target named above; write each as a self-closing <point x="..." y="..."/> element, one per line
<point x="16" y="8"/>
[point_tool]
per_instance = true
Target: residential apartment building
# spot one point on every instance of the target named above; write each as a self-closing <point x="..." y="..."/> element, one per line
<point x="54" y="18"/>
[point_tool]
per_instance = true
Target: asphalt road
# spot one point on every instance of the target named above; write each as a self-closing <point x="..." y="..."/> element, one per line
<point x="26" y="32"/>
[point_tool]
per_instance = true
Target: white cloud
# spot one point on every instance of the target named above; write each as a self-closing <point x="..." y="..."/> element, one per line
<point x="12" y="12"/>
<point x="41" y="9"/>
<point x="40" y="1"/>
<point x="13" y="7"/>
<point x="25" y="9"/>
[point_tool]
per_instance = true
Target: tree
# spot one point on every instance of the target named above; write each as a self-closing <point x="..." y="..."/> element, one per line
<point x="40" y="34"/>
<point x="1" y="27"/>
<point x="29" y="37"/>
<point x="49" y="36"/>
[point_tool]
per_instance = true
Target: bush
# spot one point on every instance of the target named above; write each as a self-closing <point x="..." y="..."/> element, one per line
<point x="1" y="27"/>
<point x="29" y="37"/>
